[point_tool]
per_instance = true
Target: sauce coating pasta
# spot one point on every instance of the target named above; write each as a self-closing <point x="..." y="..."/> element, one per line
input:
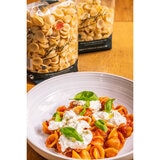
<point x="90" y="127"/>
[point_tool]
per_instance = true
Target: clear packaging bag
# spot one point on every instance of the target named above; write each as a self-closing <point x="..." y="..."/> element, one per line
<point x="95" y="24"/>
<point x="52" y="39"/>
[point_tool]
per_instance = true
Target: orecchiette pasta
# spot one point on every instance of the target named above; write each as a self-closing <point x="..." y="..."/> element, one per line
<point x="88" y="129"/>
<point x="93" y="16"/>
<point x="52" y="34"/>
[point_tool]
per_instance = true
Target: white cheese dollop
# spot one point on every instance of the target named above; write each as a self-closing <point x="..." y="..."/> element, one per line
<point x="69" y="119"/>
<point x="95" y="105"/>
<point x="117" y="118"/>
<point x="53" y="125"/>
<point x="101" y="115"/>
<point x="85" y="133"/>
<point x="81" y="125"/>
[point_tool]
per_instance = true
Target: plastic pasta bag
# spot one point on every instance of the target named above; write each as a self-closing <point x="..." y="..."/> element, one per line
<point x="52" y="39"/>
<point x="95" y="24"/>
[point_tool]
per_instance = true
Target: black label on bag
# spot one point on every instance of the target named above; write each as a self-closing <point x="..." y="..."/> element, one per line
<point x="96" y="45"/>
<point x="50" y="1"/>
<point x="39" y="77"/>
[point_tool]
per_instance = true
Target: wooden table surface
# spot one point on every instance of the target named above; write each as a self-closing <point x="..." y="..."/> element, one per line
<point x="118" y="60"/>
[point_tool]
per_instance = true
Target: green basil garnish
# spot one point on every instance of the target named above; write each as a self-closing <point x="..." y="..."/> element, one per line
<point x="86" y="105"/>
<point x="82" y="112"/>
<point x="86" y="96"/>
<point x="57" y="117"/>
<point x="70" y="132"/>
<point x="108" y="105"/>
<point x="101" y="124"/>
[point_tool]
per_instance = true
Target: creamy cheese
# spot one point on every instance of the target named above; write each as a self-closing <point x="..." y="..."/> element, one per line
<point x="101" y="115"/>
<point x="117" y="118"/>
<point x="95" y="105"/>
<point x="81" y="125"/>
<point x="86" y="136"/>
<point x="53" y="125"/>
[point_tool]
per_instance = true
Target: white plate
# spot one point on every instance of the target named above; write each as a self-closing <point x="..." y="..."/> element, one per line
<point x="43" y="99"/>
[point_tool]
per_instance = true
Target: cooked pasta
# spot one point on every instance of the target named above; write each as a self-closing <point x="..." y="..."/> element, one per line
<point x="90" y="127"/>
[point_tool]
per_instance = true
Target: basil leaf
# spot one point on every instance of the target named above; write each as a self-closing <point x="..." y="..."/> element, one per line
<point x="86" y="105"/>
<point x="70" y="132"/>
<point x="57" y="117"/>
<point x="82" y="112"/>
<point x="101" y="124"/>
<point x="86" y="96"/>
<point x="108" y="105"/>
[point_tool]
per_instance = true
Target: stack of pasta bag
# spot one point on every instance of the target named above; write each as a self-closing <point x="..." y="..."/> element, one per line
<point x="59" y="30"/>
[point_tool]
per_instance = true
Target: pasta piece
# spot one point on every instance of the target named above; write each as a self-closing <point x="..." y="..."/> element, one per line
<point x="88" y="112"/>
<point x="38" y="20"/>
<point x="122" y="110"/>
<point x="78" y="109"/>
<point x="43" y="46"/>
<point x="97" y="152"/>
<point x="52" y="53"/>
<point x="49" y="19"/>
<point x="85" y="154"/>
<point x="121" y="138"/>
<point x="111" y="152"/>
<point x="113" y="133"/>
<point x="52" y="140"/>
<point x="41" y="52"/>
<point x="58" y="13"/>
<point x="61" y="108"/>
<point x="99" y="132"/>
<point x="58" y="147"/>
<point x="33" y="47"/>
<point x="45" y="27"/>
<point x="97" y="140"/>
<point x="49" y="32"/>
<point x="45" y="127"/>
<point x="55" y="59"/>
<point x="39" y="36"/>
<point x="37" y="61"/>
<point x="129" y="118"/>
<point x="113" y="142"/>
<point x="126" y="130"/>
<point x="103" y="100"/>
<point x="68" y="152"/>
<point x="75" y="155"/>
<point x="100" y="23"/>
<point x="67" y="18"/>
<point x="47" y="61"/>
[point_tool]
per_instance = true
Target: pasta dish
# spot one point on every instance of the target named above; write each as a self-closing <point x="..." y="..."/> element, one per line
<point x="90" y="127"/>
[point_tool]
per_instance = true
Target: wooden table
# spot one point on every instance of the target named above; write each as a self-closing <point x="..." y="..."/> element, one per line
<point x="118" y="60"/>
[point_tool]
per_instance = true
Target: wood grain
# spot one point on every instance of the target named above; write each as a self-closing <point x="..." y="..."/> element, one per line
<point x="118" y="60"/>
<point x="124" y="10"/>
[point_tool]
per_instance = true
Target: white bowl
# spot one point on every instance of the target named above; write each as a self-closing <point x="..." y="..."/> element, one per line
<point x="44" y="98"/>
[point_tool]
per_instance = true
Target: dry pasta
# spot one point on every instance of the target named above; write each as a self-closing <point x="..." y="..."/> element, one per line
<point x="95" y="20"/>
<point x="90" y="127"/>
<point x="50" y="35"/>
